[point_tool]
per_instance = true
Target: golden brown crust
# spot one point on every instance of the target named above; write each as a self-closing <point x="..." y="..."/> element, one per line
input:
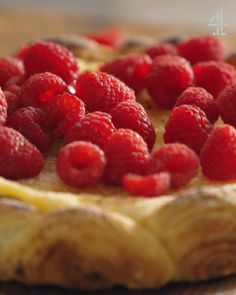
<point x="84" y="247"/>
<point x="139" y="243"/>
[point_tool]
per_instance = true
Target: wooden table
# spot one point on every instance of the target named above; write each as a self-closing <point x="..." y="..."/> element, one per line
<point x="17" y="27"/>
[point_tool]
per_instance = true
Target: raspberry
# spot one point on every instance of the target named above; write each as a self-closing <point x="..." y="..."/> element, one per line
<point x="168" y="77"/>
<point x="202" y="48"/>
<point x="126" y="152"/>
<point x="101" y="92"/>
<point x="226" y="103"/>
<point x="15" y="80"/>
<point x="40" y="89"/>
<point x="110" y="37"/>
<point x="50" y="57"/>
<point x="3" y="108"/>
<point x="149" y="186"/>
<point x="13" y="89"/>
<point x="65" y="110"/>
<point x="199" y="97"/>
<point x="12" y="102"/>
<point x="189" y="125"/>
<point x="161" y="49"/>
<point x="95" y="127"/>
<point x="9" y="67"/>
<point x="132" y="115"/>
<point x="218" y="155"/>
<point x="179" y="160"/>
<point x="81" y="164"/>
<point x="214" y="76"/>
<point x="22" y="51"/>
<point x="132" y="69"/>
<point x="18" y="157"/>
<point x="32" y="123"/>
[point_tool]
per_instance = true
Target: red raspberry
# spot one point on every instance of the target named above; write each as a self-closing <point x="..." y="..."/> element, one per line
<point x="110" y="37"/>
<point x="161" y="49"/>
<point x="15" y="80"/>
<point x="50" y="57"/>
<point x="132" y="115"/>
<point x="9" y="67"/>
<point x="132" y="69"/>
<point x="81" y="164"/>
<point x="95" y="127"/>
<point x="22" y="51"/>
<point x="13" y="89"/>
<point x="12" y="102"/>
<point x="179" y="160"/>
<point x="214" y="76"/>
<point x="32" y="123"/>
<point x="199" y="97"/>
<point x="65" y="110"/>
<point x="168" y="77"/>
<point x="40" y="89"/>
<point x="189" y="125"/>
<point x="126" y="152"/>
<point x="202" y="48"/>
<point x="18" y="157"/>
<point x="3" y="108"/>
<point x="226" y="103"/>
<point x="101" y="92"/>
<point x="151" y="186"/>
<point x="218" y="155"/>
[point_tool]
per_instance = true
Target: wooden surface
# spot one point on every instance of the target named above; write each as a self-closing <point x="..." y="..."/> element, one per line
<point x="17" y="27"/>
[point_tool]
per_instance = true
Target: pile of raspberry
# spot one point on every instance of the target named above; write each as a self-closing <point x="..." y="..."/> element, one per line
<point x="105" y="134"/>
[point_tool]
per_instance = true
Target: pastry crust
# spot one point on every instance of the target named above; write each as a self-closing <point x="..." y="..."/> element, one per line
<point x="102" y="238"/>
<point x="102" y="242"/>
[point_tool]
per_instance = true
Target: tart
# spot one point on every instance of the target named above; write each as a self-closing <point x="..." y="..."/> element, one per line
<point x="99" y="237"/>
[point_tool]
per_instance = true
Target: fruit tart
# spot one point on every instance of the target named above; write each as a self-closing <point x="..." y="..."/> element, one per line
<point x="117" y="162"/>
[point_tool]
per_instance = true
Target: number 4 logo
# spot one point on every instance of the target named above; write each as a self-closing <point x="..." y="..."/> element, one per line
<point x="217" y="21"/>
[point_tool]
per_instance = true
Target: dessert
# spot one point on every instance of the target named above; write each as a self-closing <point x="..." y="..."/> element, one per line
<point x="110" y="207"/>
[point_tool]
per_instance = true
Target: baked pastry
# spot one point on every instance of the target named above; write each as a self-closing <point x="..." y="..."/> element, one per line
<point x="100" y="237"/>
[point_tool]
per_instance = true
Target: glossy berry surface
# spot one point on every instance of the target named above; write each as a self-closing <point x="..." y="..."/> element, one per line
<point x="18" y="157"/>
<point x="214" y="76"/>
<point x="161" y="49"/>
<point x="101" y="91"/>
<point x="188" y="125"/>
<point x="202" y="48"/>
<point x="50" y="57"/>
<point x="218" y="155"/>
<point x="33" y="124"/>
<point x="132" y="69"/>
<point x="168" y="78"/>
<point x="132" y="115"/>
<point x="178" y="160"/>
<point x="80" y="164"/>
<point x="126" y="152"/>
<point x="40" y="89"/>
<point x="95" y="127"/>
<point x="150" y="186"/>
<point x="3" y="108"/>
<point x="199" y="97"/>
<point x="13" y="102"/>
<point x="226" y="103"/>
<point x="65" y="110"/>
<point x="9" y="67"/>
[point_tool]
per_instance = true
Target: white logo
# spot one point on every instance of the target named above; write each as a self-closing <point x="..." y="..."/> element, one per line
<point x="217" y="21"/>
